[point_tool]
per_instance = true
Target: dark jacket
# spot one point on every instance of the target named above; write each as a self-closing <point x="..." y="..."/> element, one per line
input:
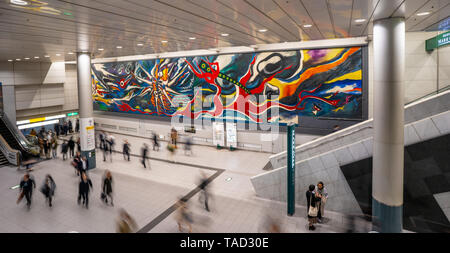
<point x="80" y="165"/>
<point x="27" y="186"/>
<point x="84" y="187"/>
<point x="48" y="189"/>
<point x="107" y="185"/>
<point x="311" y="196"/>
<point x="126" y="147"/>
<point x="71" y="144"/>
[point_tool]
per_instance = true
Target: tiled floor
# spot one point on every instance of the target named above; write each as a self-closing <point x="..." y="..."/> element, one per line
<point x="147" y="193"/>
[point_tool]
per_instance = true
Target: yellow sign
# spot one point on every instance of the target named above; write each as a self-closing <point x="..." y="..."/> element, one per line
<point x="89" y="127"/>
<point x="37" y="120"/>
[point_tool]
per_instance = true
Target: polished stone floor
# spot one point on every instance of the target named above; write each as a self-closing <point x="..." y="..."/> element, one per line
<point x="149" y="195"/>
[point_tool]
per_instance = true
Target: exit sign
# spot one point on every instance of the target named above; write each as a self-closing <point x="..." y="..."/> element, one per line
<point x="438" y="41"/>
<point x="72" y="114"/>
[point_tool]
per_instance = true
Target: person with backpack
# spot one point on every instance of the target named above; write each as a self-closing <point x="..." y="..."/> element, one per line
<point x="48" y="189"/>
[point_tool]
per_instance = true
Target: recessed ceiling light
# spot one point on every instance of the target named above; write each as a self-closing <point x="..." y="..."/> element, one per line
<point x="119" y="47"/>
<point x="26" y="58"/>
<point x="262" y="30"/>
<point x="17" y="59"/>
<point x="307" y="25"/>
<point x="423" y="13"/>
<point x="140" y="44"/>
<point x="360" y="20"/>
<point x="70" y="53"/>
<point x="10" y="60"/>
<point x="164" y="41"/>
<point x="19" y="2"/>
<point x="36" y="57"/>
<point x="224" y="34"/>
<point x="101" y="49"/>
<point x="58" y="54"/>
<point x="46" y="56"/>
<point x="192" y="38"/>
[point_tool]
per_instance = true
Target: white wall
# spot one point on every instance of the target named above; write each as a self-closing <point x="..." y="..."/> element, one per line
<point x="421" y="70"/>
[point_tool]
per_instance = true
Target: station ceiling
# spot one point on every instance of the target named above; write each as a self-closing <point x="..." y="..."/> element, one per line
<point x="112" y="28"/>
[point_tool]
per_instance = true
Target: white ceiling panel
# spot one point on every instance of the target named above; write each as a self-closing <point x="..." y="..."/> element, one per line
<point x="93" y="24"/>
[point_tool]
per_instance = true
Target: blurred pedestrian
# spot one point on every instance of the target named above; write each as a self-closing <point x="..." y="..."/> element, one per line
<point x="26" y="185"/>
<point x="78" y="145"/>
<point x="47" y="148"/>
<point x="126" y="223"/>
<point x="77" y="126"/>
<point x="54" y="147"/>
<point x="174" y="137"/>
<point x="70" y="126"/>
<point x="84" y="189"/>
<point x="144" y="151"/>
<point x="107" y="188"/>
<point x="76" y="163"/>
<point x="184" y="217"/>
<point x="323" y="195"/>
<point x="126" y="150"/>
<point x="155" y="142"/>
<point x="33" y="132"/>
<point x="204" y="194"/>
<point x="48" y="189"/>
<point x="187" y="146"/>
<point x="102" y="140"/>
<point x="111" y="143"/>
<point x="64" y="149"/>
<point x="83" y="165"/>
<point x="312" y="208"/>
<point x="71" y="146"/>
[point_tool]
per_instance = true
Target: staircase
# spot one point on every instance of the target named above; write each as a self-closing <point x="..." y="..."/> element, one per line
<point x="3" y="161"/>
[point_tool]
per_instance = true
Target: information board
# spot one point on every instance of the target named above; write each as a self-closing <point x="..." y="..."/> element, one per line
<point x="87" y="134"/>
<point x="218" y="134"/>
<point x="231" y="135"/>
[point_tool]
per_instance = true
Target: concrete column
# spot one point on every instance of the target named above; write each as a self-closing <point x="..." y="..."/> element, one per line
<point x="388" y="144"/>
<point x="87" y="132"/>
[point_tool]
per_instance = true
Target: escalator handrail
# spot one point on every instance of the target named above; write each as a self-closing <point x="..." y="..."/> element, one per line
<point x="12" y="155"/>
<point x="22" y="141"/>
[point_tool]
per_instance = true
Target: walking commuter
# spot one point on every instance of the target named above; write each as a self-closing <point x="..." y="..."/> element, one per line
<point x="26" y="185"/>
<point x="48" y="189"/>
<point x="71" y="146"/>
<point x="312" y="206"/>
<point x="107" y="187"/>
<point x="183" y="215"/>
<point x="323" y="195"/>
<point x="102" y="140"/>
<point x="204" y="194"/>
<point x="174" y="136"/>
<point x="70" y="127"/>
<point x="126" y="150"/>
<point x="65" y="128"/>
<point x="126" y="223"/>
<point x="111" y="142"/>
<point x="144" y="152"/>
<point x="64" y="149"/>
<point x="77" y="163"/>
<point x="77" y="126"/>
<point x="155" y="142"/>
<point x="47" y="148"/>
<point x="84" y="189"/>
<point x="56" y="127"/>
<point x="54" y="147"/>
<point x="83" y="165"/>
<point x="187" y="146"/>
<point x="78" y="145"/>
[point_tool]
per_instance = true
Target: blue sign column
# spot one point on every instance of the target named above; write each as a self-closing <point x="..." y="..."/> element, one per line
<point x="291" y="169"/>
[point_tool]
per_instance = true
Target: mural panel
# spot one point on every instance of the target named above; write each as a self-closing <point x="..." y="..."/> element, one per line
<point x="275" y="87"/>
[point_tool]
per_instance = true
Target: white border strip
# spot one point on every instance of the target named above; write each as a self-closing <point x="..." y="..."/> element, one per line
<point x="313" y="44"/>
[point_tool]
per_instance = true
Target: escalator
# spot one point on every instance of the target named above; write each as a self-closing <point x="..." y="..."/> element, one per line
<point x="16" y="140"/>
<point x="3" y="160"/>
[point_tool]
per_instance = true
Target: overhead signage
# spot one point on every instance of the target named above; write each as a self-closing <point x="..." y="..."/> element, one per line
<point x="291" y="169"/>
<point x="72" y="114"/>
<point x="438" y="41"/>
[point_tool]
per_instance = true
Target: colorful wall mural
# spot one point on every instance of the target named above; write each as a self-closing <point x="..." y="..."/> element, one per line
<point x="275" y="87"/>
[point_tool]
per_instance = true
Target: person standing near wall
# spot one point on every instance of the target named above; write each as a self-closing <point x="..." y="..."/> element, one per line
<point x="174" y="136"/>
<point x="312" y="206"/>
<point x="70" y="126"/>
<point x="323" y="195"/>
<point x="77" y="126"/>
<point x="126" y="150"/>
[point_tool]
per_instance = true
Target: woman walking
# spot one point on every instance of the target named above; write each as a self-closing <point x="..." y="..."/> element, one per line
<point x="107" y="187"/>
<point x="48" y="189"/>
